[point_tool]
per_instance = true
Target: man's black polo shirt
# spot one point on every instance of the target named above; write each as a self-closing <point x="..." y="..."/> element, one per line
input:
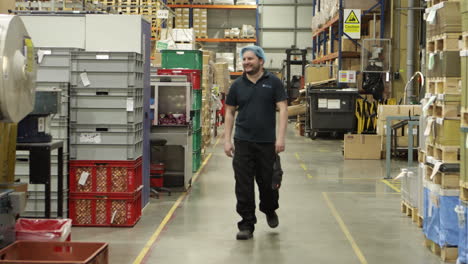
<point x="256" y="119"/>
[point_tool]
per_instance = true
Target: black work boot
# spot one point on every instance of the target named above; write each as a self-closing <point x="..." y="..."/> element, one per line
<point x="244" y="235"/>
<point x="272" y="219"/>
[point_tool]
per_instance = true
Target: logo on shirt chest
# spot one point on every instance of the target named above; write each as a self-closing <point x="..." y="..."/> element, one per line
<point x="267" y="86"/>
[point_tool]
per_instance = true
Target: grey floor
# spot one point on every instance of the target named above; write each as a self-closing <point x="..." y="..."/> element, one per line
<point x="331" y="211"/>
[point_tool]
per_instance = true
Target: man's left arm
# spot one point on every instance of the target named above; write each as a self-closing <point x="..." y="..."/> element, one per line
<point x="280" y="144"/>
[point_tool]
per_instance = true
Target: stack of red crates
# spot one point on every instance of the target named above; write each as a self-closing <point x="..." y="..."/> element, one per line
<point x="105" y="193"/>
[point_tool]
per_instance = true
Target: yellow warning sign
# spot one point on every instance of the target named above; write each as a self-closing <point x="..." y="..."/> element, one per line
<point x="352" y="18"/>
<point x="352" y="28"/>
<point x="352" y="23"/>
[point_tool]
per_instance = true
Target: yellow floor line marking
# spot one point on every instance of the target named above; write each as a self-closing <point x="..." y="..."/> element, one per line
<point x="304" y="166"/>
<point x="345" y="178"/>
<point x="158" y="231"/>
<point x="396" y="189"/>
<point x="297" y="156"/>
<point x="169" y="215"/>
<point x="345" y="230"/>
<point x="217" y="141"/>
<point x="309" y="176"/>
<point x="390" y="193"/>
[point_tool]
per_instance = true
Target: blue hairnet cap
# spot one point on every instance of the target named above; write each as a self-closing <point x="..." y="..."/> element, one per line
<point x="258" y="51"/>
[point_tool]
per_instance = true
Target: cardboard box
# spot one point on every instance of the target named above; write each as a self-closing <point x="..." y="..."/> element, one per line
<point x="398" y="110"/>
<point x="8" y="133"/>
<point x="316" y="73"/>
<point x="206" y="59"/>
<point x="362" y="147"/>
<point x="347" y="45"/>
<point x="157" y="58"/>
<point x="6" y="5"/>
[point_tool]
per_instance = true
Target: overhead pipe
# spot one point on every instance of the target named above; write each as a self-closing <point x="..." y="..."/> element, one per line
<point x="410" y="47"/>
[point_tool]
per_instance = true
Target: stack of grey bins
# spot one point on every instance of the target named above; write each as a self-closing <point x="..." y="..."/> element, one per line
<point x="54" y="65"/>
<point x="106" y="117"/>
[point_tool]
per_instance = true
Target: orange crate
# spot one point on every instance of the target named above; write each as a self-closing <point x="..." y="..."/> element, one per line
<point x="105" y="176"/>
<point x="105" y="209"/>
<point x="39" y="252"/>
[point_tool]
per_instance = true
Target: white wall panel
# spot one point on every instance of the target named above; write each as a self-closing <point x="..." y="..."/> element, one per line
<point x="266" y="2"/>
<point x="113" y="33"/>
<point x="274" y="60"/>
<point x="278" y="17"/>
<point x="277" y="39"/>
<point x="54" y="31"/>
<point x="304" y="16"/>
<point x="304" y="40"/>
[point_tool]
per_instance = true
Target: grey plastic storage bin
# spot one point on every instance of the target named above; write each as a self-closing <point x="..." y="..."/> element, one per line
<point x="55" y="65"/>
<point x="106" y="116"/>
<point x="86" y="98"/>
<point x="106" y="152"/>
<point x="107" y="62"/>
<point x="108" y="79"/>
<point x="106" y="134"/>
<point x="59" y="130"/>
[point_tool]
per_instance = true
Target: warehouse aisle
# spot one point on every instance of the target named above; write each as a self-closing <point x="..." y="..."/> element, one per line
<point x="331" y="211"/>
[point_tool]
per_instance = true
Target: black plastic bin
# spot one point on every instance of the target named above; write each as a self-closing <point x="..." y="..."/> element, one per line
<point x="332" y="111"/>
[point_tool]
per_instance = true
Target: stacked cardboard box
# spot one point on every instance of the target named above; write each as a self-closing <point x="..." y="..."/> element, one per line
<point x="182" y="19"/>
<point x="227" y="57"/>
<point x="441" y="186"/>
<point x="207" y="102"/>
<point x="8" y="134"/>
<point x="222" y="76"/>
<point x="200" y="23"/>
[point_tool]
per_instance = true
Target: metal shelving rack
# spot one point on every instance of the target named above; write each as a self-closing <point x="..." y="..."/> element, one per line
<point x="322" y="35"/>
<point x="231" y="7"/>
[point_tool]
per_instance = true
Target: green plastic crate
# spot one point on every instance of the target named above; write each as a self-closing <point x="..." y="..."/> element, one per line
<point x="182" y="59"/>
<point x="196" y="140"/>
<point x="196" y="120"/>
<point x="196" y="160"/>
<point x="197" y="99"/>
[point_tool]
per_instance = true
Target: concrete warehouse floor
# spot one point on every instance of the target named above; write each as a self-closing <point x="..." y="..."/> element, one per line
<point x="331" y="211"/>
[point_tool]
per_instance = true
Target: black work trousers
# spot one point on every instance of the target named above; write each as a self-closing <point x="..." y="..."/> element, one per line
<point x="254" y="161"/>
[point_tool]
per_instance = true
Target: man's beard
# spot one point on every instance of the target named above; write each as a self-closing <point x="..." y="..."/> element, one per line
<point x="255" y="69"/>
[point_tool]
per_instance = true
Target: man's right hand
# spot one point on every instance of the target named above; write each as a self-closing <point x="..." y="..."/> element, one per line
<point x="228" y="149"/>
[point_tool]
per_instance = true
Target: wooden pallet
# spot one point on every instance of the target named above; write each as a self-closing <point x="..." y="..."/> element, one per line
<point x="445" y="180"/>
<point x="447" y="154"/>
<point x="446" y="109"/>
<point x="420" y="221"/>
<point x="435" y="2"/>
<point x="443" y="42"/>
<point x="409" y="210"/>
<point x="447" y="254"/>
<point x="430" y="150"/>
<point x="464" y="117"/>
<point x="445" y="85"/>
<point x="463" y="191"/>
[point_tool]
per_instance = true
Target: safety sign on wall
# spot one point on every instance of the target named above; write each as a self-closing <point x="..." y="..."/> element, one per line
<point x="347" y="76"/>
<point x="352" y="23"/>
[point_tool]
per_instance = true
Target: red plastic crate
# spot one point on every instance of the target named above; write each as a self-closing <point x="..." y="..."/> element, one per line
<point x="105" y="176"/>
<point x="157" y="168"/>
<point x="105" y="209"/>
<point x="43" y="229"/>
<point x="193" y="76"/>
<point x="40" y="252"/>
<point x="156" y="181"/>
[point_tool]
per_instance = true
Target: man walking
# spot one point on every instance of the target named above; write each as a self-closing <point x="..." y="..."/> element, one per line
<point x="255" y="95"/>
